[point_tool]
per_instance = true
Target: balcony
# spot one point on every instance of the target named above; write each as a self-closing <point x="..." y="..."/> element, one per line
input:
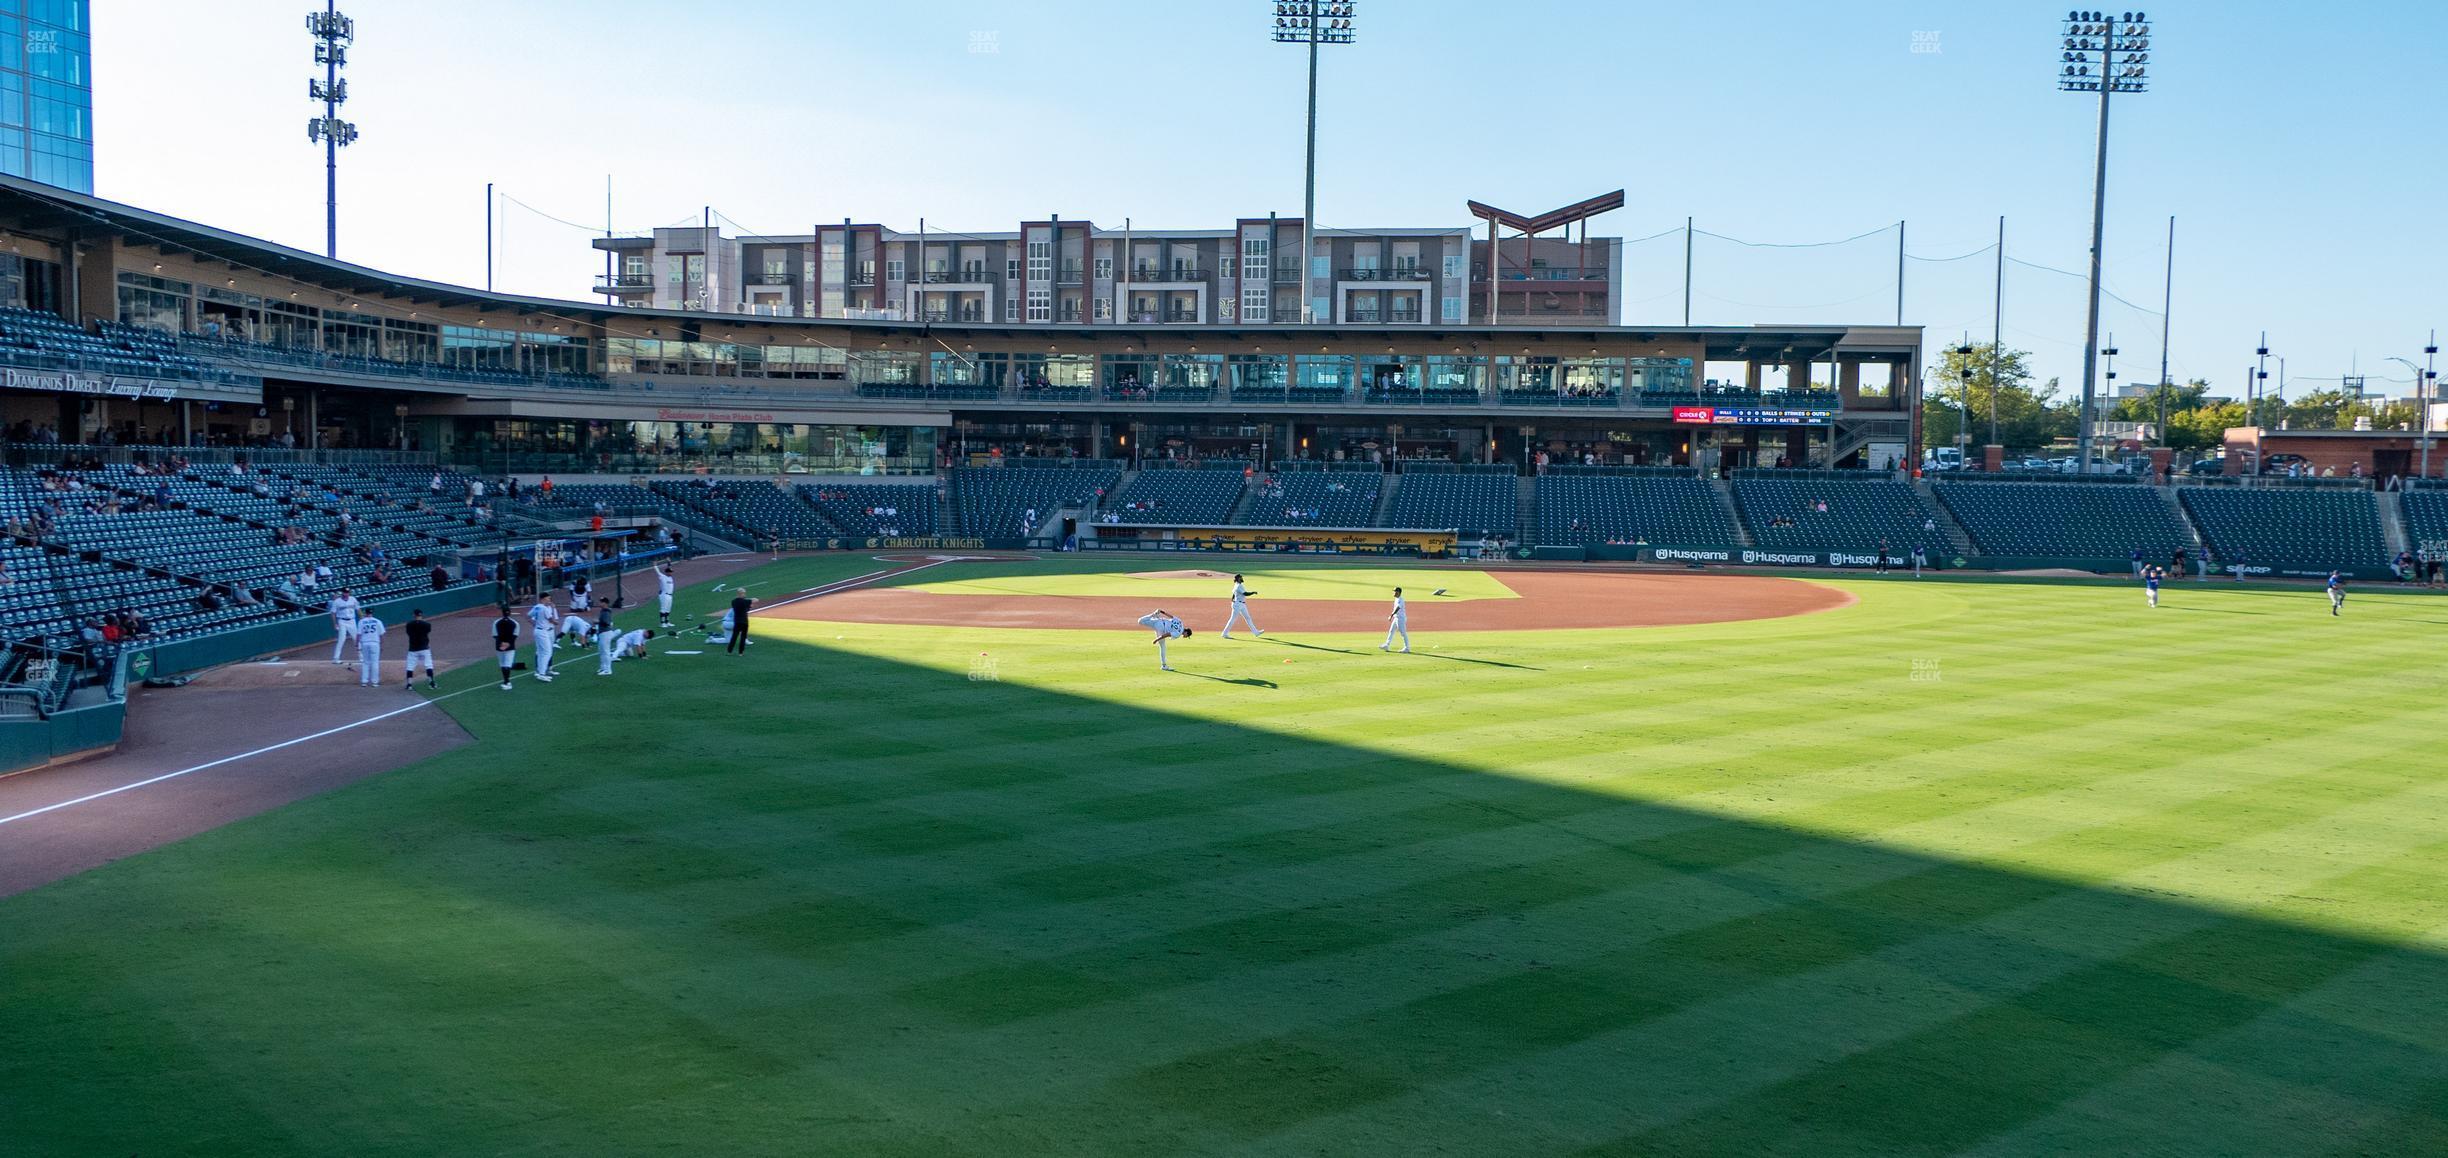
<point x="1286" y="275"/>
<point x="1167" y="273"/>
<point x="966" y="275"/>
<point x="866" y="278"/>
<point x="1070" y="275"/>
<point x="771" y="279"/>
<point x="1372" y="273"/>
<point x="1364" y="317"/>
<point x="1403" y="317"/>
<point x="965" y="315"/>
<point x="627" y="283"/>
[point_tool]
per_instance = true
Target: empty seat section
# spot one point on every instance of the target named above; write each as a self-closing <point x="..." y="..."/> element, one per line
<point x="1179" y="495"/>
<point x="2308" y="530"/>
<point x="876" y="508"/>
<point x="1582" y="509"/>
<point x="991" y="500"/>
<point x="1822" y="511"/>
<point x="1472" y="502"/>
<point x="2091" y="520"/>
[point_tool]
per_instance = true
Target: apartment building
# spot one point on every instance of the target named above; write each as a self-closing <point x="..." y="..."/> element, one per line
<point x="1064" y="272"/>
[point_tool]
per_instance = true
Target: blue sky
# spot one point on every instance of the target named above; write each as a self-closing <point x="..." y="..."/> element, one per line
<point x="2298" y="146"/>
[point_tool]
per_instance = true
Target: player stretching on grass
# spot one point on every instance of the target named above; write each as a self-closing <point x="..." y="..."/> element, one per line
<point x="1167" y="628"/>
<point x="1397" y="624"/>
<point x="1240" y="611"/>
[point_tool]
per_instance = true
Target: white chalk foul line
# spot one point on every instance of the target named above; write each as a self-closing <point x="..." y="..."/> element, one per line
<point x="377" y="718"/>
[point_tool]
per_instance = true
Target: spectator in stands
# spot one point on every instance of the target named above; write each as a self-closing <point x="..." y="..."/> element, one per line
<point x="210" y="600"/>
<point x="433" y="486"/>
<point x="439" y="576"/>
<point x="244" y="596"/>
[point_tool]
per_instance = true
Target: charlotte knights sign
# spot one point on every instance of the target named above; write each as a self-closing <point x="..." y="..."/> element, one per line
<point x="70" y="382"/>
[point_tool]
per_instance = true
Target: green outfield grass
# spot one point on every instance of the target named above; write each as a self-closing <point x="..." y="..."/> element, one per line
<point x="1375" y="584"/>
<point x="2007" y="869"/>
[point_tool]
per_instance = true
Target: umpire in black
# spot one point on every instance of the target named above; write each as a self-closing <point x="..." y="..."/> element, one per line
<point x="739" y="624"/>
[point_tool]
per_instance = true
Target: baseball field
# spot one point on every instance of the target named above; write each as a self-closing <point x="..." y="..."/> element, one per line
<point x="1609" y="864"/>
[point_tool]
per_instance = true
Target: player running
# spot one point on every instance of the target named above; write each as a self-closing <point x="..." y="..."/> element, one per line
<point x="2150" y="582"/>
<point x="420" y="649"/>
<point x="664" y="583"/>
<point x="1167" y="627"/>
<point x="1240" y="611"/>
<point x="1398" y="624"/>
<point x="2337" y="592"/>
<point x="505" y="644"/>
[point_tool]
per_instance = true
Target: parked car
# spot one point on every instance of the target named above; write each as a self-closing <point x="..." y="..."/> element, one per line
<point x="2278" y="463"/>
<point x="2207" y="466"/>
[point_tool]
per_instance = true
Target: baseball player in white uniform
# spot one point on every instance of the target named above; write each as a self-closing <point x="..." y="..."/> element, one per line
<point x="545" y="619"/>
<point x="344" y="608"/>
<point x="629" y="644"/>
<point x="1240" y="610"/>
<point x="370" y="629"/>
<point x="579" y="594"/>
<point x="1395" y="625"/>
<point x="1167" y="627"/>
<point x="663" y="592"/>
<point x="576" y="624"/>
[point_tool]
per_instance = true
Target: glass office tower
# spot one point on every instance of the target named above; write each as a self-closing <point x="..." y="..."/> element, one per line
<point x="46" y="92"/>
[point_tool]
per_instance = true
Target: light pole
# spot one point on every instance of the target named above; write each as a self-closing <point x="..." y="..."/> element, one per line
<point x="2108" y="353"/>
<point x="2426" y="390"/>
<point x="1311" y="22"/>
<point x="2259" y="385"/>
<point x="332" y="33"/>
<point x="1963" y="399"/>
<point x="2121" y="45"/>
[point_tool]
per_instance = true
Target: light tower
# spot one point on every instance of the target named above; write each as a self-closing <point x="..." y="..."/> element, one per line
<point x="332" y="34"/>
<point x="1311" y="22"/>
<point x="2106" y="53"/>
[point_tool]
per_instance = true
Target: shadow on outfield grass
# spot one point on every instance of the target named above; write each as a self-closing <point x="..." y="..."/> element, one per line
<point x="931" y="918"/>
<point x="1246" y="682"/>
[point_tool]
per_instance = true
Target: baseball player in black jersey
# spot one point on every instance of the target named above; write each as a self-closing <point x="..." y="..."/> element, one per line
<point x="505" y="643"/>
<point x="420" y="649"/>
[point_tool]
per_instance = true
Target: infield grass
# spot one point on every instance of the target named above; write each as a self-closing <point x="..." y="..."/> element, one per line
<point x="1981" y="868"/>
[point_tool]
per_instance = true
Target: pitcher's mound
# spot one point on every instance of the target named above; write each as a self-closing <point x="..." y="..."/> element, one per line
<point x="1196" y="574"/>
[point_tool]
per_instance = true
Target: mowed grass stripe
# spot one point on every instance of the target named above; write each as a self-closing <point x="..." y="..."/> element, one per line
<point x="801" y="892"/>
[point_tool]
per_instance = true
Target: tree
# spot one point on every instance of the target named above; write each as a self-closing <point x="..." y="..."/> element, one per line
<point x="1961" y="389"/>
<point x="2203" y="426"/>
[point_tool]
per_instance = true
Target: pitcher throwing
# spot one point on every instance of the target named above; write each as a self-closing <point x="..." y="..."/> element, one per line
<point x="1167" y="627"/>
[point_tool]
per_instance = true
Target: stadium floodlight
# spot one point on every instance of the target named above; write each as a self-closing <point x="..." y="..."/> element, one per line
<point x="332" y="34"/>
<point x="1311" y="22"/>
<point x="2105" y="53"/>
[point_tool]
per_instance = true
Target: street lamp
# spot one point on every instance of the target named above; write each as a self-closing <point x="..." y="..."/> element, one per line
<point x="1311" y="22"/>
<point x="2120" y="45"/>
